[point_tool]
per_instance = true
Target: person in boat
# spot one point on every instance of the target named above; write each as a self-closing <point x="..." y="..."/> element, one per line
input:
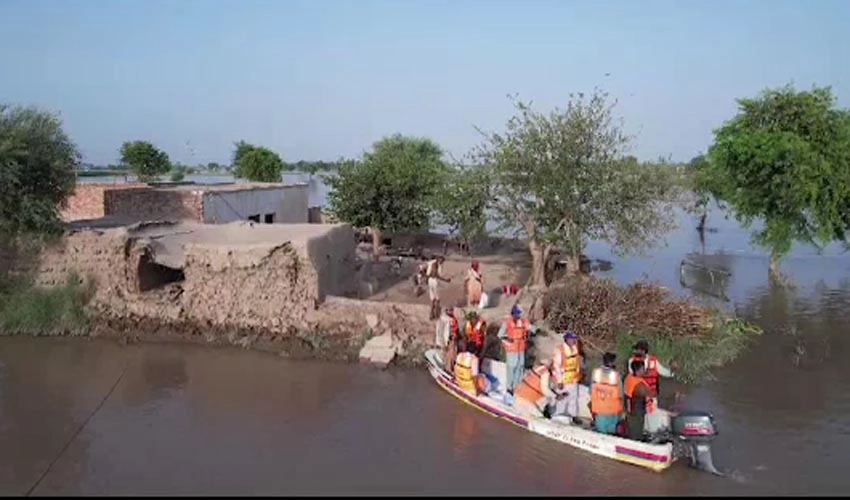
<point x="606" y="395"/>
<point x="448" y="334"/>
<point x="493" y="347"/>
<point x="514" y="335"/>
<point x="569" y="359"/>
<point x="434" y="274"/>
<point x="534" y="394"/>
<point x="656" y="419"/>
<point x="466" y="373"/>
<point x="473" y="284"/>
<point x="639" y="400"/>
<point x="569" y="366"/>
<point x="474" y="331"/>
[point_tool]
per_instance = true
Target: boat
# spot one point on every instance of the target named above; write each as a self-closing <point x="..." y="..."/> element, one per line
<point x="692" y="431"/>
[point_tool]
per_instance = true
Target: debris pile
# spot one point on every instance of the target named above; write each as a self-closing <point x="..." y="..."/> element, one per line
<point x="599" y="310"/>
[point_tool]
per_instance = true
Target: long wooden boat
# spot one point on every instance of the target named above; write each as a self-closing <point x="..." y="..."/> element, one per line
<point x="657" y="457"/>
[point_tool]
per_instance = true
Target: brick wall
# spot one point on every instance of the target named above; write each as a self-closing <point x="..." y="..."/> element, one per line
<point x="150" y="204"/>
<point x="87" y="201"/>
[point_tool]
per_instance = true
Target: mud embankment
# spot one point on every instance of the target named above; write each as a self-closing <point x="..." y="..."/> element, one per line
<point x="274" y="288"/>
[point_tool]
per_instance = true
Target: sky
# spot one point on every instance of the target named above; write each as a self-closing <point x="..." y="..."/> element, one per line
<point x="323" y="79"/>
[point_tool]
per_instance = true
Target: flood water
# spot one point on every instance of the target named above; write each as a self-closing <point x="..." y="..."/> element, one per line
<point x="192" y="420"/>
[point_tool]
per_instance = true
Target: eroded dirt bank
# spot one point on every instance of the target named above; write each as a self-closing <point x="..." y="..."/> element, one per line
<point x="286" y="288"/>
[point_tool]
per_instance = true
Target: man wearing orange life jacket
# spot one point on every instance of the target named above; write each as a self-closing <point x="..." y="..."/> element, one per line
<point x="514" y="335"/>
<point x="656" y="419"/>
<point x="474" y="331"/>
<point x="639" y="400"/>
<point x="466" y="370"/>
<point x="606" y="395"/>
<point x="534" y="393"/>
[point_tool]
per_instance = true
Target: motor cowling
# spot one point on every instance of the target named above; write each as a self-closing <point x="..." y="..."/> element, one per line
<point x="695" y="431"/>
<point x="694" y="426"/>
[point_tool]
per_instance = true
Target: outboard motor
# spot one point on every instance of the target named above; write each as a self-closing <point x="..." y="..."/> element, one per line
<point x="694" y="431"/>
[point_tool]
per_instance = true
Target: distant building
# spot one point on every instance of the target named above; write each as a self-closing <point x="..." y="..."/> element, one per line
<point x="207" y="203"/>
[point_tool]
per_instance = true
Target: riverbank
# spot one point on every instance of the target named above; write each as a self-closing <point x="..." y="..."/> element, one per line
<point x="309" y="291"/>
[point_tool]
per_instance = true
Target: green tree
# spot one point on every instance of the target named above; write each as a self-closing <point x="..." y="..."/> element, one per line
<point x="391" y="189"/>
<point x="256" y="163"/>
<point x="178" y="172"/>
<point x="561" y="179"/>
<point x="145" y="160"/>
<point x="37" y="165"/>
<point x="784" y="159"/>
<point x="462" y="200"/>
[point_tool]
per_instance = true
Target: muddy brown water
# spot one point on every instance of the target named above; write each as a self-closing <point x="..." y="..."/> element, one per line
<point x="192" y="420"/>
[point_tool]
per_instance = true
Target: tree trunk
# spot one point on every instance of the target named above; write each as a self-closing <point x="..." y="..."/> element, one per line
<point x="539" y="257"/>
<point x="702" y="220"/>
<point x="376" y="243"/>
<point x="573" y="264"/>
<point x="774" y="265"/>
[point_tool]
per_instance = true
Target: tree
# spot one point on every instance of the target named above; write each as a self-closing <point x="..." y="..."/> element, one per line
<point x="145" y="160"/>
<point x="256" y="163"/>
<point x="391" y="188"/>
<point x="785" y="159"/>
<point x="561" y="179"/>
<point x="37" y="165"/>
<point x="462" y="200"/>
<point x="178" y="173"/>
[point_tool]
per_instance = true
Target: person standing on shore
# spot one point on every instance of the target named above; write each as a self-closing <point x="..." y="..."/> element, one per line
<point x="474" y="284"/>
<point x="514" y="335"/>
<point x="434" y="273"/>
<point x="448" y="333"/>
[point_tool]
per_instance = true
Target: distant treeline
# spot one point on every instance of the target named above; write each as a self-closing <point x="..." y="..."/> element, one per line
<point x="310" y="167"/>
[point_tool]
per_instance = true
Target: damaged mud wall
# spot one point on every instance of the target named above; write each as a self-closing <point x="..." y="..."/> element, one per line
<point x="95" y="255"/>
<point x="270" y="287"/>
<point x="333" y="255"/>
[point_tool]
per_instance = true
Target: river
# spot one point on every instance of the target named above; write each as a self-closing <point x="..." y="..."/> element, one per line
<point x="163" y="419"/>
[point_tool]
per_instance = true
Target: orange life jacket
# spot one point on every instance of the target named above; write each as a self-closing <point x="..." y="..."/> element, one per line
<point x="463" y="372"/>
<point x="631" y="383"/>
<point x="605" y="395"/>
<point x="651" y="377"/>
<point x="570" y="364"/>
<point x="530" y="389"/>
<point x="517" y="333"/>
<point x="475" y="333"/>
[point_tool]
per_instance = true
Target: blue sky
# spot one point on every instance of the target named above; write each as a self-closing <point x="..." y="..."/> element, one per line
<point x="317" y="80"/>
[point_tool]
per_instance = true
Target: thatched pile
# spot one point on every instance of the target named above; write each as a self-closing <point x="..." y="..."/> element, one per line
<point x="599" y="310"/>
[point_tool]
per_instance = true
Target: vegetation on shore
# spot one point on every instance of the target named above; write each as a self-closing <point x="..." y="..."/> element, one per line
<point x="25" y="308"/>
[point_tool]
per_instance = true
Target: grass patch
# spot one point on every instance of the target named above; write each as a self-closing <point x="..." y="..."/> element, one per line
<point x="29" y="309"/>
<point x="696" y="355"/>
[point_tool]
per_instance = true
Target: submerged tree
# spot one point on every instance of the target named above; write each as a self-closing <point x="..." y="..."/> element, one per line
<point x="562" y="178"/>
<point x="785" y="159"/>
<point x="145" y="160"/>
<point x="391" y="188"/>
<point x="257" y="163"/>
<point x="37" y="164"/>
